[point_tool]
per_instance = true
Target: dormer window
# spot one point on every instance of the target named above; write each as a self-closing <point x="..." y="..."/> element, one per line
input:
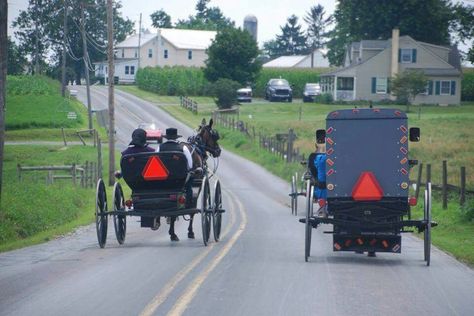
<point x="407" y="55"/>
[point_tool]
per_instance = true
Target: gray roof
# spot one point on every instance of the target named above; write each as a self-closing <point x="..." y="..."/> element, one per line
<point x="436" y="72"/>
<point x="375" y="44"/>
<point x="355" y="45"/>
<point x="454" y="58"/>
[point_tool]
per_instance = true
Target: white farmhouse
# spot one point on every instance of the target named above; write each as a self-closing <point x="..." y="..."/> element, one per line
<point x="167" y="47"/>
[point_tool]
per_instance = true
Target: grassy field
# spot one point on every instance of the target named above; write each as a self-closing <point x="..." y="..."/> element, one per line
<point x="36" y="111"/>
<point x="31" y="211"/>
<point x="447" y="133"/>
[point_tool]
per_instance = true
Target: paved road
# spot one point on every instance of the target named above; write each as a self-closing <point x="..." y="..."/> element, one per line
<point x="257" y="268"/>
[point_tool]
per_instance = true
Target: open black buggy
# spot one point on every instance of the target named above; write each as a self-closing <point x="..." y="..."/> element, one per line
<point x="367" y="180"/>
<point x="161" y="185"/>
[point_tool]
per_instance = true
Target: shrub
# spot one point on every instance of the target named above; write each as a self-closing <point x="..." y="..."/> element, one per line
<point x="467" y="87"/>
<point x="225" y="92"/>
<point x="26" y="85"/>
<point x="325" y="98"/>
<point x="467" y="210"/>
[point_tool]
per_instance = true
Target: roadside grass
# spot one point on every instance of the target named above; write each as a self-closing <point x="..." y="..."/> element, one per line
<point x="455" y="231"/>
<point x="33" y="212"/>
<point x="446" y="133"/>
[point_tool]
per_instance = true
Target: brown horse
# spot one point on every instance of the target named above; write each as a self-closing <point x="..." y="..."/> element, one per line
<point x="204" y="142"/>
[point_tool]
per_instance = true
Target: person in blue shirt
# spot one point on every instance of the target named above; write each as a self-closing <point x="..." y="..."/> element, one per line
<point x="320" y="191"/>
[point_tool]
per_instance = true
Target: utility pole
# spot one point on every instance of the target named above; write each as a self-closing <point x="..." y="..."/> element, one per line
<point x="3" y="78"/>
<point x="139" y="39"/>
<point x="36" y="39"/>
<point x="110" y="57"/>
<point x="63" y="66"/>
<point x="85" y="57"/>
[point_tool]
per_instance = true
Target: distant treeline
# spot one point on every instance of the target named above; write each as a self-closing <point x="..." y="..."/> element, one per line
<point x="191" y="81"/>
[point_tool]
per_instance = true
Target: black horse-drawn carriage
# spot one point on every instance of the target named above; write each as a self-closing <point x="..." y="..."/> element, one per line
<point x="367" y="181"/>
<point x="160" y="184"/>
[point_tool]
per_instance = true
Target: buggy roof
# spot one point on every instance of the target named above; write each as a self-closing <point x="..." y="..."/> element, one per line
<point x="366" y="114"/>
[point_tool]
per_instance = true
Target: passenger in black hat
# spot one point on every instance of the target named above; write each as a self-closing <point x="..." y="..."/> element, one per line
<point x="138" y="143"/>
<point x="173" y="145"/>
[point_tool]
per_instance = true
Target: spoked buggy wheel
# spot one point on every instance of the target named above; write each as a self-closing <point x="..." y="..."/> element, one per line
<point x="205" y="211"/>
<point x="101" y="213"/>
<point x="309" y="215"/>
<point x="427" y="218"/>
<point x="120" y="221"/>
<point x="293" y="195"/>
<point x="217" y="215"/>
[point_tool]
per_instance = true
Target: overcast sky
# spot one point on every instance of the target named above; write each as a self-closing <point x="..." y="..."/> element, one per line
<point x="271" y="14"/>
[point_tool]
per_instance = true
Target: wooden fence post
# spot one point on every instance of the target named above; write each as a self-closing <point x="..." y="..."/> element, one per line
<point x="64" y="136"/>
<point x="73" y="173"/>
<point x="462" y="191"/>
<point x="86" y="174"/>
<point x="94" y="137"/>
<point x="418" y="181"/>
<point x="445" y="184"/>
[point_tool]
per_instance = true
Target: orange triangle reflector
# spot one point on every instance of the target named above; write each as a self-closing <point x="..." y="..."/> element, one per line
<point x="367" y="188"/>
<point x="155" y="169"/>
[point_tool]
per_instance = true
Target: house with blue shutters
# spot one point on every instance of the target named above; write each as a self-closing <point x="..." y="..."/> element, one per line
<point x="369" y="65"/>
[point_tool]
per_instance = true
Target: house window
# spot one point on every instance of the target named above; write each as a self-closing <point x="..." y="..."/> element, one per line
<point x="381" y="85"/>
<point x="150" y="53"/>
<point x="166" y="54"/>
<point x="445" y="87"/>
<point x="190" y="54"/>
<point x="132" y="70"/>
<point x="127" y="70"/>
<point x="406" y="55"/>
<point x="136" y="53"/>
<point x="346" y="84"/>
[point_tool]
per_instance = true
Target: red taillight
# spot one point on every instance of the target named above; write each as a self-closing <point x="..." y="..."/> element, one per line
<point x="155" y="169"/>
<point x="385" y="244"/>
<point x="367" y="188"/>
<point x="322" y="202"/>
<point x="360" y="241"/>
<point x="128" y="203"/>
<point x="412" y="201"/>
<point x="182" y="200"/>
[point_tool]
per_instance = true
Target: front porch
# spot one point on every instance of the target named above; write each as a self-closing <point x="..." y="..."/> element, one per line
<point x="341" y="88"/>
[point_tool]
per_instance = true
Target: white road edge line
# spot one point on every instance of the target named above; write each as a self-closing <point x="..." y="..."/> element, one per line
<point x="153" y="305"/>
<point x="188" y="295"/>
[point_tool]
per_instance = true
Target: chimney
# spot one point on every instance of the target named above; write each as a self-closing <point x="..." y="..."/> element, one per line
<point x="395" y="46"/>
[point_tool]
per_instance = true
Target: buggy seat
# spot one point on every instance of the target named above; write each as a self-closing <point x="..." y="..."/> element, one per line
<point x="154" y="178"/>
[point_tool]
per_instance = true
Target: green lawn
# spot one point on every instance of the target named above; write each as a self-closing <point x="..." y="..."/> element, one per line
<point x="447" y="133"/>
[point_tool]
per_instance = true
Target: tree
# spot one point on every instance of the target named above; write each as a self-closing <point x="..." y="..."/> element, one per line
<point x="317" y="24"/>
<point x="16" y="61"/>
<point x="407" y="85"/>
<point x="161" y="19"/>
<point x="225" y="92"/>
<point x="206" y="18"/>
<point x="291" y="41"/>
<point x="424" y="20"/>
<point x="44" y="18"/>
<point x="232" y="55"/>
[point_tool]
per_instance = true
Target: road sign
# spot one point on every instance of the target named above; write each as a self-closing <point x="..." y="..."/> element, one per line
<point x="72" y="115"/>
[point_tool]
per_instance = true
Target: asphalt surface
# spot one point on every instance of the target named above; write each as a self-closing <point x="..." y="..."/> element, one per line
<point x="257" y="268"/>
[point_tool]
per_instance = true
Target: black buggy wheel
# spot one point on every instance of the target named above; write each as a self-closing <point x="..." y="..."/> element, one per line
<point x="427" y="218"/>
<point x="120" y="221"/>
<point x="205" y="211"/>
<point x="217" y="215"/>
<point x="309" y="214"/>
<point x="101" y="213"/>
<point x="296" y="193"/>
<point x="293" y="195"/>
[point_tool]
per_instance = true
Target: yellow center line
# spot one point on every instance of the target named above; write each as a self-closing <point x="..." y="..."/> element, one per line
<point x="173" y="283"/>
<point x="188" y="295"/>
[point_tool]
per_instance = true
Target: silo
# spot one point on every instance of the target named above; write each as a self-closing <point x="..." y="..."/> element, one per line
<point x="250" y="24"/>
